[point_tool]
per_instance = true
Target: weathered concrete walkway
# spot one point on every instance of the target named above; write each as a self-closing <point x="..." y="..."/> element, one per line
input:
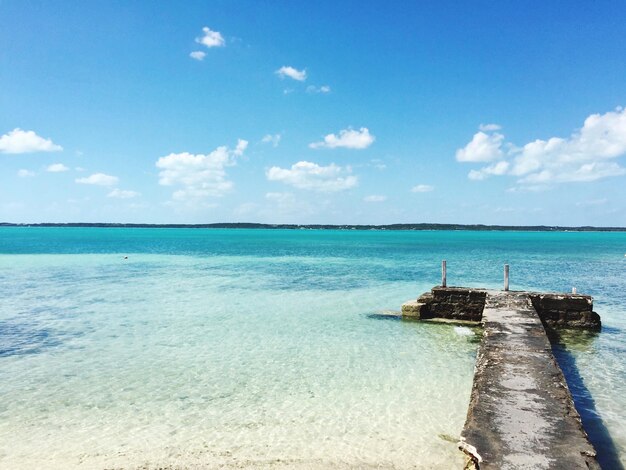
<point x="521" y="413"/>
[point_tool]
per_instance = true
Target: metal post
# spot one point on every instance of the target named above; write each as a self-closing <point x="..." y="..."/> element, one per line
<point x="506" y="277"/>
<point x="443" y="273"/>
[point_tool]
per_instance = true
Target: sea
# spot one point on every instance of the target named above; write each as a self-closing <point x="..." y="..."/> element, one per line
<point x="163" y="348"/>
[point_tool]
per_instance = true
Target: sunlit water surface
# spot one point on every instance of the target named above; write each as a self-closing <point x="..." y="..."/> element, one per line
<point x="264" y="348"/>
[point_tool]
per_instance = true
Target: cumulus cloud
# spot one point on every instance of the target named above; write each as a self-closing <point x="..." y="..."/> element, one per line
<point x="311" y="176"/>
<point x="482" y="148"/>
<point x="318" y="89"/>
<point x="210" y="38"/>
<point x="199" y="176"/>
<point x="57" y="168"/>
<point x="123" y="194"/>
<point x="99" y="179"/>
<point x="198" y="55"/>
<point x="290" y="72"/>
<point x="588" y="154"/>
<point x="489" y="127"/>
<point x="422" y="188"/>
<point x="25" y="173"/>
<point x="241" y="147"/>
<point x="575" y="174"/>
<point x="499" y="168"/>
<point x="19" y="141"/>
<point x="271" y="139"/>
<point x="347" y="138"/>
<point x="375" y="198"/>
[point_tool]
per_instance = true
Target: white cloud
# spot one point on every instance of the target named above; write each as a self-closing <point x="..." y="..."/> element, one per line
<point x="532" y="188"/>
<point x="123" y="194"/>
<point x="199" y="175"/>
<point x="57" y="168"/>
<point x="375" y="198"/>
<point x="324" y="89"/>
<point x="271" y="139"/>
<point x="489" y="127"/>
<point x="198" y="55"/>
<point x="25" y="173"/>
<point x="582" y="157"/>
<point x="287" y="71"/>
<point x="576" y="174"/>
<point x="280" y="198"/>
<point x="19" y="141"/>
<point x="241" y="147"/>
<point x="422" y="188"/>
<point x="99" y="179"/>
<point x="210" y="38"/>
<point x="311" y="176"/>
<point x="499" y="168"/>
<point x="347" y="138"/>
<point x="482" y="148"/>
<point x="378" y="164"/>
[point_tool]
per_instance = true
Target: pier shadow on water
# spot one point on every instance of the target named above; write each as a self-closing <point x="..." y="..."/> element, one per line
<point x="608" y="455"/>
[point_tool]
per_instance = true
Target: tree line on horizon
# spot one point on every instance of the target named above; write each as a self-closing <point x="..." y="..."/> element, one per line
<point x="250" y="225"/>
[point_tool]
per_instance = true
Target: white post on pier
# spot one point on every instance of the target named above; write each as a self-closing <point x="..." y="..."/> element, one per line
<point x="506" y="277"/>
<point x="443" y="273"/>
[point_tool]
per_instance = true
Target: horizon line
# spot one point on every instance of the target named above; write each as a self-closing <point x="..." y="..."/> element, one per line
<point x="395" y="226"/>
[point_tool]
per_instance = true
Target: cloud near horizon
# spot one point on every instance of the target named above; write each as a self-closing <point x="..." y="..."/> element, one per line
<point x="99" y="179"/>
<point x="57" y="168"/>
<point x="422" y="188"/>
<point x="375" y="198"/>
<point x="347" y="138"/>
<point x="19" y="141"/>
<point x="313" y="177"/>
<point x="588" y="154"/>
<point x="199" y="176"/>
<point x="123" y="194"/>
<point x="287" y="71"/>
<point x="25" y="173"/>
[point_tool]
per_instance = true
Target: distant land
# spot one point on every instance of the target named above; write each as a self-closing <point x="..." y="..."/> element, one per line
<point x="423" y="226"/>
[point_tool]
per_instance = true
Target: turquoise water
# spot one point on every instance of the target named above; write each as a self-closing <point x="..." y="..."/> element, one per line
<point x="263" y="348"/>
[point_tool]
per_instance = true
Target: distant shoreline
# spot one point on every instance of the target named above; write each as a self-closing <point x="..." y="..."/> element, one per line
<point x="415" y="227"/>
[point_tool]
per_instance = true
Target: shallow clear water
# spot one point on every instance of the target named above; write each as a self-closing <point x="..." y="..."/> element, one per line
<point x="262" y="348"/>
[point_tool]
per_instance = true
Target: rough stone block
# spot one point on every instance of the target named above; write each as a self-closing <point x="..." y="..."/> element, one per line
<point x="413" y="309"/>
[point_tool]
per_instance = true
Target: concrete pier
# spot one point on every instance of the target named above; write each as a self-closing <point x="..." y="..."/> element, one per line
<point x="521" y="413"/>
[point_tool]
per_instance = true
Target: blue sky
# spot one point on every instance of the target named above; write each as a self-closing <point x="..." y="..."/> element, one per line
<point x="313" y="112"/>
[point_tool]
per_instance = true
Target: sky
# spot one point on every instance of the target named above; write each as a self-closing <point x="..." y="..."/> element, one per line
<point x="331" y="112"/>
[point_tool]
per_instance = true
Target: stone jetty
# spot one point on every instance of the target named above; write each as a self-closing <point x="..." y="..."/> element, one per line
<point x="521" y="413"/>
